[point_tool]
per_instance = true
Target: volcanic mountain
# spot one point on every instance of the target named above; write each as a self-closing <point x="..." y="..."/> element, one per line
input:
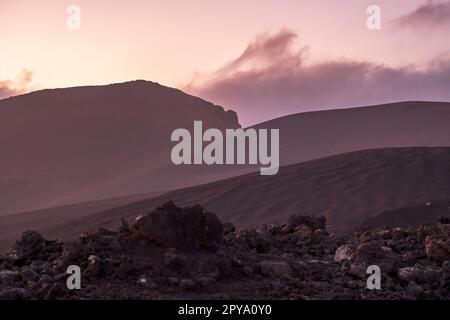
<point x="83" y="144"/>
<point x="73" y="145"/>
<point x="78" y="158"/>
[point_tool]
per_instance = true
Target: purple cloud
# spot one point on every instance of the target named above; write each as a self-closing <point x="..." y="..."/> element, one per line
<point x="271" y="79"/>
<point x="427" y="17"/>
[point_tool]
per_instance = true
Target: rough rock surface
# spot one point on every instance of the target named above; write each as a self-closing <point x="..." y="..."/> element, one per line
<point x="184" y="253"/>
<point x="187" y="228"/>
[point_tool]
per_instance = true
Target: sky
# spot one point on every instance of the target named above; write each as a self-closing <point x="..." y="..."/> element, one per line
<point x="261" y="58"/>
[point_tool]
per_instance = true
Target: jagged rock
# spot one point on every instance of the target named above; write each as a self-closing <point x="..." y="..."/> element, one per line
<point x="320" y="235"/>
<point x="228" y="228"/>
<point x="173" y="281"/>
<point x="445" y="229"/>
<point x="311" y="221"/>
<point x="369" y="236"/>
<point x="443" y="220"/>
<point x="146" y="283"/>
<point x="264" y="263"/>
<point x="411" y="274"/>
<point x="247" y="271"/>
<point x="184" y="228"/>
<point x="432" y="275"/>
<point x="28" y="274"/>
<point x="414" y="289"/>
<point x="373" y="253"/>
<point x="275" y="229"/>
<point x="94" y="268"/>
<point x="47" y="279"/>
<point x="368" y="251"/>
<point x="29" y="245"/>
<point x="302" y="233"/>
<point x="71" y="254"/>
<point x="437" y="249"/>
<point x="124" y="227"/>
<point x="275" y="268"/>
<point x="8" y="277"/>
<point x="205" y="282"/>
<point x="235" y="262"/>
<point x="13" y="294"/>
<point x="174" y="261"/>
<point x="344" y="252"/>
<point x="54" y="292"/>
<point x="186" y="284"/>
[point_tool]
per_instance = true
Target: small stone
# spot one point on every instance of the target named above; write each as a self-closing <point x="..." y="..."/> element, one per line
<point x="414" y="289"/>
<point x="344" y="252"/>
<point x="302" y="233"/>
<point x="432" y="275"/>
<point x="411" y="274"/>
<point x="205" y="282"/>
<point x="311" y="221"/>
<point x="46" y="279"/>
<point x="320" y="235"/>
<point x="235" y="262"/>
<point x="248" y="271"/>
<point x="8" y="277"/>
<point x="55" y="291"/>
<point x="93" y="259"/>
<point x="186" y="284"/>
<point x="437" y="249"/>
<point x="275" y="268"/>
<point x="28" y="274"/>
<point x="13" y="294"/>
<point x="228" y="228"/>
<point x="176" y="262"/>
<point x="173" y="281"/>
<point x="147" y="283"/>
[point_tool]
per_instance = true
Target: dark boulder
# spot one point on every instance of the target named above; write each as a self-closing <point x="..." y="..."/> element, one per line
<point x="187" y="228"/>
<point x="443" y="220"/>
<point x="373" y="253"/>
<point x="311" y="221"/>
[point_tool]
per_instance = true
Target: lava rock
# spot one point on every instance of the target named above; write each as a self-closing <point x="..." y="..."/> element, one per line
<point x="275" y="268"/>
<point x="182" y="228"/>
<point x="311" y="221"/>
<point x="302" y="233"/>
<point x="28" y="274"/>
<point x="8" y="277"/>
<point x="344" y="252"/>
<point x="437" y="249"/>
<point x="29" y="245"/>
<point x="174" y="261"/>
<point x="228" y="228"/>
<point x="186" y="284"/>
<point x="373" y="253"/>
<point x="320" y="235"/>
<point x="411" y="274"/>
<point x="13" y="294"/>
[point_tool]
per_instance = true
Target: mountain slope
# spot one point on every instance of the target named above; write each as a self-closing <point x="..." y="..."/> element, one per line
<point x="73" y="145"/>
<point x="314" y="135"/>
<point x="347" y="189"/>
<point x="68" y="146"/>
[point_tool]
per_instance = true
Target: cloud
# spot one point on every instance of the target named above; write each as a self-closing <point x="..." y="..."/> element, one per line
<point x="427" y="17"/>
<point x="272" y="79"/>
<point x="20" y="85"/>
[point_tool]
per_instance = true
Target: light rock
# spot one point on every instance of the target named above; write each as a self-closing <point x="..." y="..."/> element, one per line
<point x="344" y="252"/>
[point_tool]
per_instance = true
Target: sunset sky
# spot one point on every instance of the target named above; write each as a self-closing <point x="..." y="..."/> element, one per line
<point x="295" y="51"/>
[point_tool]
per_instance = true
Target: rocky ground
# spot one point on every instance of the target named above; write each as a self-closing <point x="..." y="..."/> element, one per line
<point x="187" y="253"/>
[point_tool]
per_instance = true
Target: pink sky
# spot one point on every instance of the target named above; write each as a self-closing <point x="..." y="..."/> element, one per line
<point x="185" y="44"/>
